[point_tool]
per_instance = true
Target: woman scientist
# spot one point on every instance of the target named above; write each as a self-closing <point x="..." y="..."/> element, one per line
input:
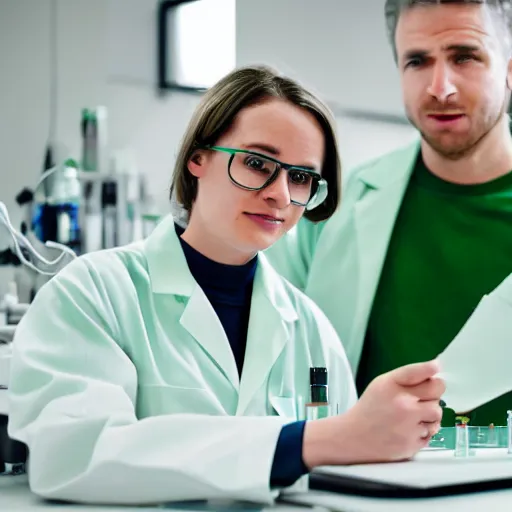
<point x="171" y="369"/>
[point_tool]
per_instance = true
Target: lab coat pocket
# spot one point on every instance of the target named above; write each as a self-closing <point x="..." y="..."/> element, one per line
<point x="159" y="400"/>
<point x="284" y="406"/>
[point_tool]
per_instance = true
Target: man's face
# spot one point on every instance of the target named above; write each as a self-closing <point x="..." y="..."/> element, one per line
<point x="454" y="74"/>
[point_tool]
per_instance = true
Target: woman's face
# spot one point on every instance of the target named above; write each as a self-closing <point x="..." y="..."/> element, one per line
<point x="230" y="224"/>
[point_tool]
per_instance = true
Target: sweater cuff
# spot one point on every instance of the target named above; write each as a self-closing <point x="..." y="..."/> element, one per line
<point x="288" y="465"/>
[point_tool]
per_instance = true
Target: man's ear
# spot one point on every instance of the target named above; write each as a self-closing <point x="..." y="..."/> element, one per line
<point x="196" y="164"/>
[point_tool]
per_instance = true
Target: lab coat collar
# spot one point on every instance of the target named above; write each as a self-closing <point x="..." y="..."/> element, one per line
<point x="392" y="168"/>
<point x="169" y="272"/>
<point x="273" y="286"/>
<point x="168" y="268"/>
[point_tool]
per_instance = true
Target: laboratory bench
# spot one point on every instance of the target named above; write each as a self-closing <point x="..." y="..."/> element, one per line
<point x="15" y="495"/>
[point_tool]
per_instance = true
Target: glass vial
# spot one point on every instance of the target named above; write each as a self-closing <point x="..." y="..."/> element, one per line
<point x="461" y="439"/>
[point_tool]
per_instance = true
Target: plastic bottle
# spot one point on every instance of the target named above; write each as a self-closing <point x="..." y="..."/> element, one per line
<point x="64" y="204"/>
<point x="8" y="300"/>
<point x="89" y="131"/>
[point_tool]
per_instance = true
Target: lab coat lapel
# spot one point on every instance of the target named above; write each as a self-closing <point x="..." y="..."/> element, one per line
<point x="375" y="214"/>
<point x="270" y="318"/>
<point x="201" y="321"/>
<point x="170" y="274"/>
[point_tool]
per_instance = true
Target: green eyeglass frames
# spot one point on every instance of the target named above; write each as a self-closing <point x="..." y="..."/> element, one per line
<point x="251" y="170"/>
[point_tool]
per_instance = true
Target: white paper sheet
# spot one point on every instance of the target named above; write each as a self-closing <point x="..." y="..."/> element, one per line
<point x="477" y="365"/>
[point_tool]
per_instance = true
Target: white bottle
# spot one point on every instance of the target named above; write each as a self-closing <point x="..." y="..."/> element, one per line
<point x="66" y="196"/>
<point x="9" y="299"/>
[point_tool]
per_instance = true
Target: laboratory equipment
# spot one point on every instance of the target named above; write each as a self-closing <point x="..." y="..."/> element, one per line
<point x="93" y="127"/>
<point x="109" y="201"/>
<point x="479" y="437"/>
<point x="107" y="211"/>
<point x="12" y="453"/>
<point x="319" y="406"/>
<point x="114" y="196"/>
<point x="107" y="220"/>
<point x="88" y="129"/>
<point x="92" y="205"/>
<point x="150" y="216"/>
<point x="11" y="310"/>
<point x="57" y="215"/>
<point x="461" y="439"/>
<point x="484" y="437"/>
<point x="25" y="250"/>
<point x="87" y="211"/>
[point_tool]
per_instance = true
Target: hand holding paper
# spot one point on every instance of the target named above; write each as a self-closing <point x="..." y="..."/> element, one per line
<point x="477" y="365"/>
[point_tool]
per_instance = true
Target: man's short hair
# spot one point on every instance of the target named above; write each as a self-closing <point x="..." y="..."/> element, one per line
<point x="501" y="8"/>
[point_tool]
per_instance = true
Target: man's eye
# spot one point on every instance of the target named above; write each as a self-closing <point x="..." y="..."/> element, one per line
<point x="461" y="59"/>
<point x="414" y="63"/>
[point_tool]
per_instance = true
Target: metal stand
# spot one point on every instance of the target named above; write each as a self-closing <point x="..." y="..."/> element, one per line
<point x="13" y="454"/>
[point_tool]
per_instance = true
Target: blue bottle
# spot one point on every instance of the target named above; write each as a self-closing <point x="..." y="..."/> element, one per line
<point x="64" y="206"/>
<point x="57" y="216"/>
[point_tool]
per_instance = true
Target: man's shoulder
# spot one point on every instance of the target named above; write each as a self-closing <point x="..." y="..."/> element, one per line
<point x="371" y="173"/>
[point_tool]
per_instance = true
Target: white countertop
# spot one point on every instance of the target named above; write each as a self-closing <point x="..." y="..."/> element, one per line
<point x="15" y="495"/>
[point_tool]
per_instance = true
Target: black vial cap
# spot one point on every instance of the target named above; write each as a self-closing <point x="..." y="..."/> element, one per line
<point x="318" y="376"/>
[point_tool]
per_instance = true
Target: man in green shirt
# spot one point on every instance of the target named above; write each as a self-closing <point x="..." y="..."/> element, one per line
<point x="425" y="232"/>
<point x="451" y="244"/>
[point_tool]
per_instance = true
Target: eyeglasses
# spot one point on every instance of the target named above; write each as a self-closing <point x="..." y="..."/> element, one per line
<point x="253" y="171"/>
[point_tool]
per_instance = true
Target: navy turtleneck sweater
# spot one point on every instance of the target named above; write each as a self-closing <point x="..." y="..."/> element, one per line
<point x="229" y="290"/>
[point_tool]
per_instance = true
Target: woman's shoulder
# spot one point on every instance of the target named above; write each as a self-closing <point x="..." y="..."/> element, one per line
<point x="115" y="268"/>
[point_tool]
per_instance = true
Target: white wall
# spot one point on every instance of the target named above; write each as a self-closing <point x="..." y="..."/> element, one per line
<point x="138" y="119"/>
<point x="338" y="47"/>
<point x="24" y="90"/>
<point x="361" y="140"/>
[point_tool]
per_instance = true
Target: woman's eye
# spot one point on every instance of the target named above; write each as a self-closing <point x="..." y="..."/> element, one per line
<point x="255" y="163"/>
<point x="300" y="178"/>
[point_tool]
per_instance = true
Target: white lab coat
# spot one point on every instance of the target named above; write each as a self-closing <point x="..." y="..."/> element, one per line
<point x="125" y="389"/>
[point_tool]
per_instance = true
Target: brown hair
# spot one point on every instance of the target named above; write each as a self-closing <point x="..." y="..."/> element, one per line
<point x="218" y="109"/>
<point x="502" y="9"/>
